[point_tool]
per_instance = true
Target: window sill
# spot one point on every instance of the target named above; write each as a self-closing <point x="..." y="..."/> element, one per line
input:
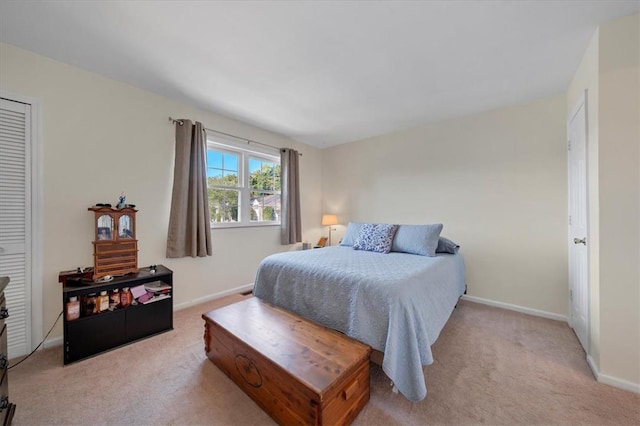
<point x="243" y="225"/>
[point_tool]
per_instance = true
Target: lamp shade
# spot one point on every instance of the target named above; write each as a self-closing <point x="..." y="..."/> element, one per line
<point x="329" y="219"/>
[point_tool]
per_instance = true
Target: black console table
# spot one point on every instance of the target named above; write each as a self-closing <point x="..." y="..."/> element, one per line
<point x="90" y="335"/>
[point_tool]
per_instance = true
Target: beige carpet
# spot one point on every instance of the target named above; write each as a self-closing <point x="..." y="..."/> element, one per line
<point x="492" y="367"/>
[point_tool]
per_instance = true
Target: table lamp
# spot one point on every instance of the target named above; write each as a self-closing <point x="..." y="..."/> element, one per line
<point x="329" y="220"/>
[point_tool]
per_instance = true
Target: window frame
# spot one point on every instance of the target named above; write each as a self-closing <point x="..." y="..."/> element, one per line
<point x="244" y="209"/>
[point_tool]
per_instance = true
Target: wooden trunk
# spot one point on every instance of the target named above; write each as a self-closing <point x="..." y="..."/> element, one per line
<point x="297" y="371"/>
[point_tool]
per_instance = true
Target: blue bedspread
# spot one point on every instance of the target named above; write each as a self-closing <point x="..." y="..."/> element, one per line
<point x="396" y="303"/>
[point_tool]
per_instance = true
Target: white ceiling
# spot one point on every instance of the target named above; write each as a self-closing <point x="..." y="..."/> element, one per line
<point x="322" y="73"/>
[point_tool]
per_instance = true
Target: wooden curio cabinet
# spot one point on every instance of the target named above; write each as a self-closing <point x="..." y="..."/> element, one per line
<point x="115" y="247"/>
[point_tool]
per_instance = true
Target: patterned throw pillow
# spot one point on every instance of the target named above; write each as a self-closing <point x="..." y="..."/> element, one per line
<point x="375" y="237"/>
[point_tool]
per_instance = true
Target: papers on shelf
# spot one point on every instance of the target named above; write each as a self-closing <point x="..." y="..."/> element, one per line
<point x="138" y="291"/>
<point x="156" y="298"/>
<point x="157" y="286"/>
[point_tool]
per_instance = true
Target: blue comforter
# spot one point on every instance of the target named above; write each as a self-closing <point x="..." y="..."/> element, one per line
<point x="396" y="303"/>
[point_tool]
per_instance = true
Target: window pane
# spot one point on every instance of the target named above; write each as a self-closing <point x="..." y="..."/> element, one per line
<point x="264" y="174"/>
<point x="265" y="207"/>
<point x="231" y="161"/>
<point x="223" y="205"/>
<point x="230" y="178"/>
<point x="214" y="177"/>
<point x="214" y="159"/>
<point x="222" y="168"/>
<point x="222" y="178"/>
<point x="254" y="165"/>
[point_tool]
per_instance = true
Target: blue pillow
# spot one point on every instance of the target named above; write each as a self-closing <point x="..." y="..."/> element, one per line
<point x="447" y="246"/>
<point x="417" y="239"/>
<point x="351" y="234"/>
<point x="375" y="237"/>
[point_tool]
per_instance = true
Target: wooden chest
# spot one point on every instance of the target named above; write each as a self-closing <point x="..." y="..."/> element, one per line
<point x="297" y="371"/>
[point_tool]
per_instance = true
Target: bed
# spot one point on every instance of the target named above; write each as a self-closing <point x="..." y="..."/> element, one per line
<point x="397" y="303"/>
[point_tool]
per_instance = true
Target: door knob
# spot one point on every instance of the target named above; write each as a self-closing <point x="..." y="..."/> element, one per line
<point x="580" y="241"/>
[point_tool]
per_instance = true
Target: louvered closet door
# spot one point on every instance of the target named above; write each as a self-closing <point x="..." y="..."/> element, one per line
<point x="15" y="221"/>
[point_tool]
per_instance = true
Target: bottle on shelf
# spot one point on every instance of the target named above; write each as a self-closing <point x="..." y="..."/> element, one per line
<point x="73" y="309"/>
<point x="103" y="301"/>
<point x="114" y="299"/>
<point x="89" y="304"/>
<point x="125" y="297"/>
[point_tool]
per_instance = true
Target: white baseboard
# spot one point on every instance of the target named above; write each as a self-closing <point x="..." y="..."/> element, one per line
<point x="592" y="365"/>
<point x="50" y="343"/>
<point x="619" y="383"/>
<point x="610" y="380"/>
<point x="57" y="341"/>
<point x="213" y="296"/>
<point x="517" y="308"/>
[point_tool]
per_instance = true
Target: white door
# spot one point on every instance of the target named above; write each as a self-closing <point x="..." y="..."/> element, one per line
<point x="578" y="225"/>
<point x="15" y="221"/>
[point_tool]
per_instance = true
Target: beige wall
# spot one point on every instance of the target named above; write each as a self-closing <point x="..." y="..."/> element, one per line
<point x="496" y="180"/>
<point x="619" y="169"/>
<point x="101" y="138"/>
<point x="611" y="74"/>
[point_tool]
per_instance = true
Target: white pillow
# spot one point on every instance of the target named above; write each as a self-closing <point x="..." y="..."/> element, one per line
<point x="417" y="239"/>
<point x="351" y="234"/>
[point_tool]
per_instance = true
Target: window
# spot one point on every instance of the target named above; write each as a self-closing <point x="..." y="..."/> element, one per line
<point x="243" y="186"/>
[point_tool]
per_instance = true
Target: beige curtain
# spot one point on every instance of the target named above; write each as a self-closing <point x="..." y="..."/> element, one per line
<point x="189" y="223"/>
<point x="291" y="223"/>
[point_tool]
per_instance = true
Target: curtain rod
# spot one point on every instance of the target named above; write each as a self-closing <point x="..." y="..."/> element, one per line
<point x="249" y="141"/>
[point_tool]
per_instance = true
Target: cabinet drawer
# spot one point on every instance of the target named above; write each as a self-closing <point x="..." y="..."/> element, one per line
<point x="4" y="352"/>
<point x="3" y="340"/>
<point x="110" y="259"/>
<point x="116" y="262"/>
<point x="3" y="309"/>
<point x="4" y="385"/>
<point x="101" y="248"/>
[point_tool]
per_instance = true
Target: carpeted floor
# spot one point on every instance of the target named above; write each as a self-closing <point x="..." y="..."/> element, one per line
<point x="492" y="367"/>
